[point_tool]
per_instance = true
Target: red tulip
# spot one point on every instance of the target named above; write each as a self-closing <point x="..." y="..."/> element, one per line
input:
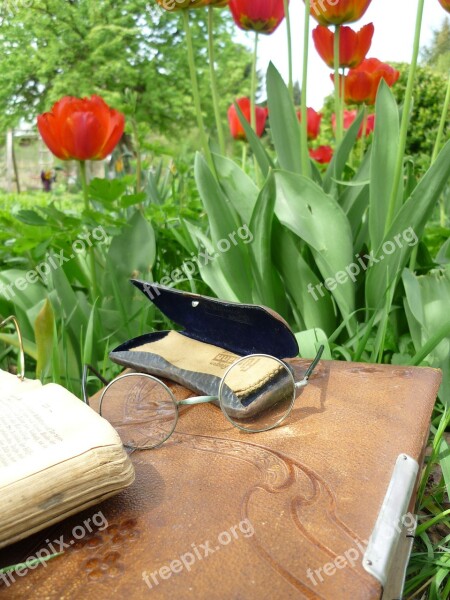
<point x="445" y="4"/>
<point x="336" y="12"/>
<point x="361" y="84"/>
<point x="172" y="5"/>
<point x="322" y="154"/>
<point x="313" y="122"/>
<point x="236" y="129"/>
<point x="353" y="45"/>
<point x="81" y="129"/>
<point x="350" y="116"/>
<point x="263" y="16"/>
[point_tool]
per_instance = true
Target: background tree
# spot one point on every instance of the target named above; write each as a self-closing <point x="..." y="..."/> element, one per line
<point x="80" y="47"/>
<point x="437" y="54"/>
<point x="429" y="96"/>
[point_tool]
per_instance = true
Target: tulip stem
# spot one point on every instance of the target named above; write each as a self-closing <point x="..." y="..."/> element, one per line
<point x="244" y="155"/>
<point x="398" y="173"/>
<point x="195" y="89"/>
<point x="138" y="156"/>
<point x="214" y="87"/>
<point x="253" y="91"/>
<point x="306" y="164"/>
<point x="363" y="134"/>
<point x="342" y="102"/>
<point x="289" y="45"/>
<point x="437" y="147"/>
<point x="337" y="85"/>
<point x="254" y="84"/>
<point x="84" y="184"/>
<point x="442" y="123"/>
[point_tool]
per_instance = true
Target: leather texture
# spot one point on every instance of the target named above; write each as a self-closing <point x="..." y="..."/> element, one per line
<point x="311" y="490"/>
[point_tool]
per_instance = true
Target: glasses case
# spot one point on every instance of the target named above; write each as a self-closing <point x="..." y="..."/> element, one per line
<point x="214" y="334"/>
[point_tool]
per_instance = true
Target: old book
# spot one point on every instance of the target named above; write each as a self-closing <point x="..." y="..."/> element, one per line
<point x="57" y="457"/>
<point x="320" y="507"/>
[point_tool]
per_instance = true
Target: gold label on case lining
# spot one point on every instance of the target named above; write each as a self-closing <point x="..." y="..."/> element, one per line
<point x="223" y="360"/>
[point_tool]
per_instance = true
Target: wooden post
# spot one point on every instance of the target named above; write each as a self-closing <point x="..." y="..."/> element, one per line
<point x="9" y="160"/>
<point x="14" y="161"/>
<point x="12" y="173"/>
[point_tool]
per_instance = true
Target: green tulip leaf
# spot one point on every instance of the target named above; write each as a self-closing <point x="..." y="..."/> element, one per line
<point x="384" y="158"/>
<point x="337" y="165"/>
<point x="284" y="124"/>
<point x="237" y="186"/>
<point x="44" y="331"/>
<point x="229" y="252"/>
<point x="106" y="190"/>
<point x="263" y="159"/>
<point x="409" y="223"/>
<point x="304" y="208"/>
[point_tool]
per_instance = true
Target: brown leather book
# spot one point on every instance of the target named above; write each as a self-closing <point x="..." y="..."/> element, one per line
<point x="316" y="508"/>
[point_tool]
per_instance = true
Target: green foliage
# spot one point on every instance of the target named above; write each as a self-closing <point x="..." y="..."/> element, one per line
<point x="429" y="95"/>
<point x="63" y="325"/>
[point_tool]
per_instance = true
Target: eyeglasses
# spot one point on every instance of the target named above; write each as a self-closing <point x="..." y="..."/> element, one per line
<point x="256" y="393"/>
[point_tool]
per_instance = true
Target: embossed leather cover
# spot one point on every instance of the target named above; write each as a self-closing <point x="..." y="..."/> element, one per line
<point x="311" y="491"/>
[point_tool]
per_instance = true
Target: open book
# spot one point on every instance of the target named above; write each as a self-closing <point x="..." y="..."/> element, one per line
<point x="57" y="457"/>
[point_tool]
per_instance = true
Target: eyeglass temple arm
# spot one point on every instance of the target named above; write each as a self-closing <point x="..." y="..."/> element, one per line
<point x="311" y="368"/>
<point x="87" y="368"/>
<point x="12" y="319"/>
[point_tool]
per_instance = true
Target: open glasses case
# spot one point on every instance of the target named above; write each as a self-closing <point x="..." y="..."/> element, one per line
<point x="216" y="333"/>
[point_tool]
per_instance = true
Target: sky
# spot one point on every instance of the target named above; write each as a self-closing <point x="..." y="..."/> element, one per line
<point x="394" y="22"/>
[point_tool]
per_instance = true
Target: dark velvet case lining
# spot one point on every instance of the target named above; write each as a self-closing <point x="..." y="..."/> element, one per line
<point x="240" y="328"/>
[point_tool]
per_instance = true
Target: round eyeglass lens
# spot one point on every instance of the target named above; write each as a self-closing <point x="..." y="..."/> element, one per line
<point x="141" y="408"/>
<point x="257" y="392"/>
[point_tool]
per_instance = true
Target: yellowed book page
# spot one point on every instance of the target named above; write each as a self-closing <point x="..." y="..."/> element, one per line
<point x="44" y="427"/>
